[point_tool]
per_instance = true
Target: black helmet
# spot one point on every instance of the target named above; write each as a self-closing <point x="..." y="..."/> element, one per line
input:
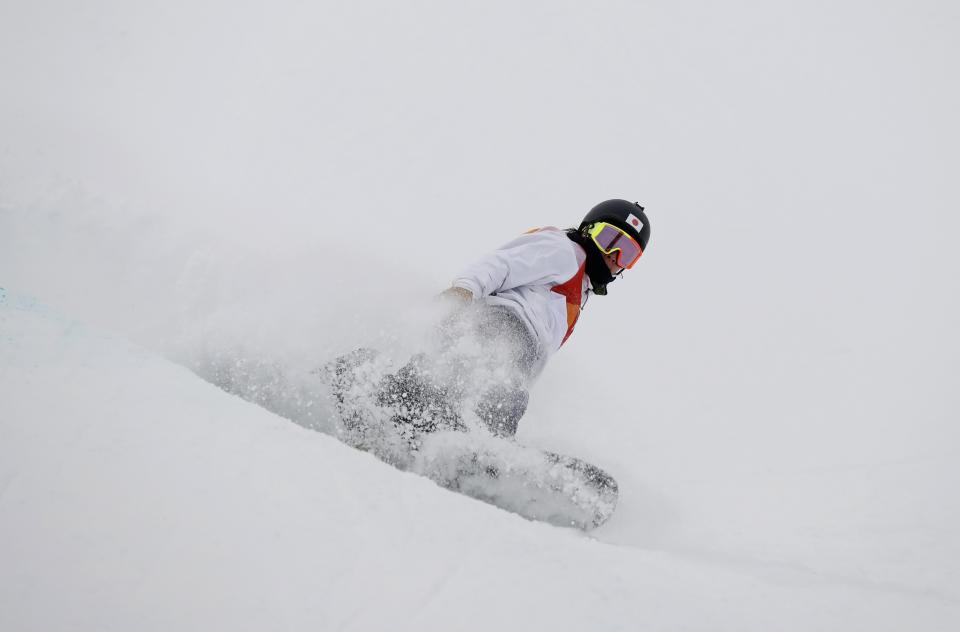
<point x="623" y="214"/>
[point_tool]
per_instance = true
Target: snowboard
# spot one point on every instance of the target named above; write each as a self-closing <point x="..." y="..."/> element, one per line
<point x="438" y="444"/>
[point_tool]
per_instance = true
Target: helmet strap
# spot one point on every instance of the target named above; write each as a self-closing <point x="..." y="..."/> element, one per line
<point x="596" y="268"/>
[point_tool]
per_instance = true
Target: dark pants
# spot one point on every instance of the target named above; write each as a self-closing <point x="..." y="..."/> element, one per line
<point x="429" y="392"/>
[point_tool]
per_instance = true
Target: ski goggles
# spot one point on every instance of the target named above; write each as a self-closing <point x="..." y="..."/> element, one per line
<point x="610" y="239"/>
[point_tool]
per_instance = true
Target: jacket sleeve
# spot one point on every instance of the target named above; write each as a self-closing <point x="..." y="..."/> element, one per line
<point x="540" y="258"/>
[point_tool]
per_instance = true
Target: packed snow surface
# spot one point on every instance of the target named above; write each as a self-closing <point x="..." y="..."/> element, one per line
<point x="202" y="202"/>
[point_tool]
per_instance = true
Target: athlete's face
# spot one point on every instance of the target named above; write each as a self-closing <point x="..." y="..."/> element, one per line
<point x="611" y="261"/>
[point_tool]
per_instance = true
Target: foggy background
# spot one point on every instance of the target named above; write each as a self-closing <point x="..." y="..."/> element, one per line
<point x="287" y="180"/>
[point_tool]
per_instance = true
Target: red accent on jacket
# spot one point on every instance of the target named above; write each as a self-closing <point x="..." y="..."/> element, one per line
<point x="572" y="290"/>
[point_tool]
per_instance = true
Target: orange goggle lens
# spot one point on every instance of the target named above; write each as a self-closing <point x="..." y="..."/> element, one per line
<point x="610" y="239"/>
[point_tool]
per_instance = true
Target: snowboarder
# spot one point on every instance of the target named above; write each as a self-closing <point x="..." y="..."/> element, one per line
<point x="524" y="300"/>
<point x="511" y="310"/>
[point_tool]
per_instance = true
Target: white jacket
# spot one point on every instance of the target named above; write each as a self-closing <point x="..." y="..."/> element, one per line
<point x="540" y="276"/>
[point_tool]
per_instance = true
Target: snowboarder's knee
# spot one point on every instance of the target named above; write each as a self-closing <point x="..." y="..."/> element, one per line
<point x="501" y="408"/>
<point x="417" y="399"/>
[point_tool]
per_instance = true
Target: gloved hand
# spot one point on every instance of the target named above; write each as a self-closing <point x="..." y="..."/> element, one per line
<point x="458" y="304"/>
<point x="456" y="294"/>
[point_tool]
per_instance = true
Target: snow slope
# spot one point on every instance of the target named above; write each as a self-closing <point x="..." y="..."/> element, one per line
<point x="136" y="496"/>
